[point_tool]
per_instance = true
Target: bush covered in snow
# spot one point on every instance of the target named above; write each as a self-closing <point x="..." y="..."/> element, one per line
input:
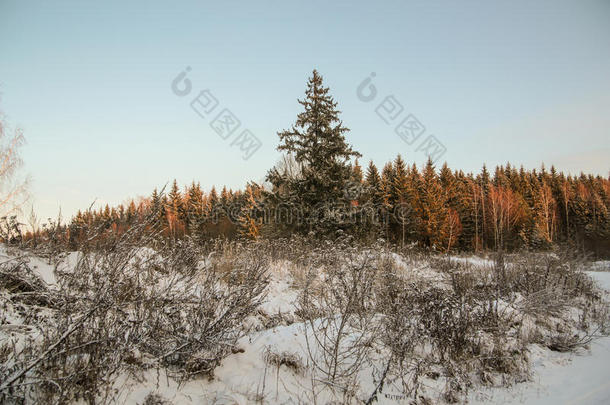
<point x="123" y="308"/>
<point x="337" y="321"/>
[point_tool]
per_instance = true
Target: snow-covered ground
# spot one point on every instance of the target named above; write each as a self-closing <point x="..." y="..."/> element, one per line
<point x="562" y="378"/>
<point x="244" y="377"/>
<point x="601" y="265"/>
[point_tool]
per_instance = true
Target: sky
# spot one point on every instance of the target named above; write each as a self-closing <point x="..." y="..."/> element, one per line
<point x="90" y="85"/>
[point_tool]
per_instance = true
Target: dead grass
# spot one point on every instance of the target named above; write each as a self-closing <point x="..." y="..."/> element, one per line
<point x="291" y="360"/>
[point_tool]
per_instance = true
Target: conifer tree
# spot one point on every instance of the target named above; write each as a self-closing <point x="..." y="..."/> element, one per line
<point x="355" y="186"/>
<point x="357" y="175"/>
<point x="433" y="207"/>
<point x="174" y="206"/>
<point x="195" y="211"/>
<point x="373" y="185"/>
<point x="373" y="201"/>
<point x="317" y="143"/>
<point x="131" y="213"/>
<point x="483" y="180"/>
<point x="156" y="205"/>
<point x="387" y="181"/>
<point x="448" y="183"/>
<point x="401" y="200"/>
<point x="249" y="220"/>
<point x="213" y="206"/>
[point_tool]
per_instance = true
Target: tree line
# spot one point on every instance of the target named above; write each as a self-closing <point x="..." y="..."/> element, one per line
<point x="319" y="188"/>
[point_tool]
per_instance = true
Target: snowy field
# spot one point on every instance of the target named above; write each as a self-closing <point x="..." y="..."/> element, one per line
<point x="558" y="378"/>
<point x="245" y="377"/>
<point x="582" y="378"/>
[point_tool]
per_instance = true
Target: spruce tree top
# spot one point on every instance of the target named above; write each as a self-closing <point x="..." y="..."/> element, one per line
<point x="316" y="140"/>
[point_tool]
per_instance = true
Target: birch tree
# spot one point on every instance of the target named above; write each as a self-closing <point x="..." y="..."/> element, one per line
<point x="12" y="187"/>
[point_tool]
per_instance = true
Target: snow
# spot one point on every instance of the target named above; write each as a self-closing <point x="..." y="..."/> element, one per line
<point x="473" y="260"/>
<point x="40" y="266"/>
<point x="281" y="295"/>
<point x="244" y="377"/>
<point x="562" y="378"/>
<point x="600" y="265"/>
<point x="44" y="270"/>
<point x="239" y="379"/>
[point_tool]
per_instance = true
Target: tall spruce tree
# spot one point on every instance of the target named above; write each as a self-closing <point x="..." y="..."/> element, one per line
<point x="318" y="145"/>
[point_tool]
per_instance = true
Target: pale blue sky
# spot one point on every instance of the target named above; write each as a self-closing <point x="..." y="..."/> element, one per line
<point x="519" y="81"/>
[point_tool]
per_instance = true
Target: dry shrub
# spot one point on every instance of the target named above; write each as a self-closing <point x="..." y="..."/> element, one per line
<point x="474" y="327"/>
<point x="125" y="308"/>
<point x="339" y="317"/>
<point x="155" y="399"/>
<point x="472" y="323"/>
<point x="557" y="276"/>
<point x="291" y="360"/>
<point x="23" y="285"/>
